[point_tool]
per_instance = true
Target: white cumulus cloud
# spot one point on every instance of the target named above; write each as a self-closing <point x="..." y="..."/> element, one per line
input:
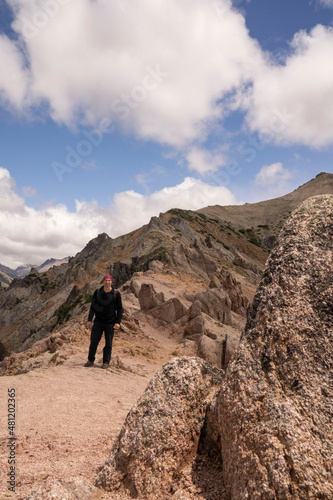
<point x="10" y="201"/>
<point x="271" y="175"/>
<point x="158" y="69"/>
<point x="14" y="78"/>
<point x="293" y="103"/>
<point x="326" y="3"/>
<point x="202" y="161"/>
<point x="164" y="70"/>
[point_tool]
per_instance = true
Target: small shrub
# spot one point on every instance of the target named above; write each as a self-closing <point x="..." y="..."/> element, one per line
<point x="54" y="357"/>
<point x="255" y="241"/>
<point x="203" y="216"/>
<point x="63" y="313"/>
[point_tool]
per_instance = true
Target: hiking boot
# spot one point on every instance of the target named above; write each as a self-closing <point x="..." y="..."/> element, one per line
<point x="105" y="366"/>
<point x="89" y="363"/>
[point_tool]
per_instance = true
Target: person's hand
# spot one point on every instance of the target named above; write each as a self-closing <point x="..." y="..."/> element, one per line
<point x="116" y="326"/>
<point x="89" y="325"/>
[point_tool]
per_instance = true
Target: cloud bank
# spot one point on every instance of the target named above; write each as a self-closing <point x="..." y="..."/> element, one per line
<point x="157" y="69"/>
<point x="164" y="70"/>
<point x="31" y="236"/>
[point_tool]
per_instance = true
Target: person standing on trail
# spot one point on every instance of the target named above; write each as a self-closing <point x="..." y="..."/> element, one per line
<point x="106" y="307"/>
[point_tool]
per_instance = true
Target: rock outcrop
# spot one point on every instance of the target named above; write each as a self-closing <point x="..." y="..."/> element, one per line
<point x="275" y="406"/>
<point x="239" y="303"/>
<point x="154" y="304"/>
<point x="149" y="298"/>
<point x="161" y="432"/>
<point x="192" y="259"/>
<point x="216" y="303"/>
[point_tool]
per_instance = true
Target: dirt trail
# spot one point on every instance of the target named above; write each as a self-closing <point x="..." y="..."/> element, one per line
<point x="67" y="416"/>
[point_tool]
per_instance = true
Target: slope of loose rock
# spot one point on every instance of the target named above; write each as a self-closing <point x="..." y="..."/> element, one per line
<point x="275" y="407"/>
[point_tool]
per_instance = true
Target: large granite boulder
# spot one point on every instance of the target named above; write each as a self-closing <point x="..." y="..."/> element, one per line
<point x="161" y="433"/>
<point x="276" y="403"/>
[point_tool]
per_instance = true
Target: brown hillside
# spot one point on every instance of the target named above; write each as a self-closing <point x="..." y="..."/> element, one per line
<point x="266" y="218"/>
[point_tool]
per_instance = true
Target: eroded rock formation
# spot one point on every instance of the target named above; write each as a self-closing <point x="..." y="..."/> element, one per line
<point x="193" y="322"/>
<point x="154" y="303"/>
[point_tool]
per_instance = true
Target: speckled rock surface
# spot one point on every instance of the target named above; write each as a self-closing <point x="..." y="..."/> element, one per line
<point x="161" y="433"/>
<point x="65" y="490"/>
<point x="276" y="403"/>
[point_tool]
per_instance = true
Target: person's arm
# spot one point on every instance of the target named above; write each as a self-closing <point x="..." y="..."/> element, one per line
<point x="91" y="313"/>
<point x="119" y="310"/>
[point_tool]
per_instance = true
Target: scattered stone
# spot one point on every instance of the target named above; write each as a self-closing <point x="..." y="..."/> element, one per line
<point x="195" y="309"/>
<point x="239" y="301"/>
<point x="156" y="266"/>
<point x="135" y="287"/>
<point x="210" y="350"/>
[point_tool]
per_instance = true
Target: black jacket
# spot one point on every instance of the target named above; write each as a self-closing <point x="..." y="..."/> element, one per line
<point x="106" y="306"/>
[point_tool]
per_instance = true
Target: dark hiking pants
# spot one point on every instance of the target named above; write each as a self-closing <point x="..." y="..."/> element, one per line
<point x="95" y="337"/>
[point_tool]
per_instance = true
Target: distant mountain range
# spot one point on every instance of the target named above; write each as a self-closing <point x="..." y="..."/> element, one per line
<point x="7" y="274"/>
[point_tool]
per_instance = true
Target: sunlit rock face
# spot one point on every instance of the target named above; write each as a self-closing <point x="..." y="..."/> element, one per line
<point x="162" y="431"/>
<point x="276" y="403"/>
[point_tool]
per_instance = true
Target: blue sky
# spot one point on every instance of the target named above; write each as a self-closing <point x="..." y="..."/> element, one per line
<point x="112" y="112"/>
